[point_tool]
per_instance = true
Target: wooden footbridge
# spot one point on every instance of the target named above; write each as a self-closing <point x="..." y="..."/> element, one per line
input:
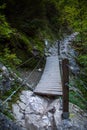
<point x="50" y="83"/>
<point x="55" y="83"/>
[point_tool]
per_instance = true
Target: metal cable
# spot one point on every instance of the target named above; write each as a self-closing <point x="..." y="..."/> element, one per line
<point x="22" y="83"/>
<point x="11" y="95"/>
<point x="81" y="97"/>
<point x="79" y="94"/>
<point x="33" y="70"/>
<point x="24" y="62"/>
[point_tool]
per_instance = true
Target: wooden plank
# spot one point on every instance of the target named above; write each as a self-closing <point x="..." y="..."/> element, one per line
<point x="45" y="81"/>
<point x="49" y="80"/>
<point x="49" y="94"/>
<point x="49" y="89"/>
<point x="45" y="92"/>
<point x="49" y="84"/>
<point x="44" y="87"/>
<point x="52" y="84"/>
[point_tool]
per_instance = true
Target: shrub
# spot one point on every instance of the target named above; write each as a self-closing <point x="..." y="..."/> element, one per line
<point x="9" y="59"/>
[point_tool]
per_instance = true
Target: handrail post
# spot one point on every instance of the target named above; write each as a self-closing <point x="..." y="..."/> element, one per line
<point x="65" y="82"/>
<point x="58" y="47"/>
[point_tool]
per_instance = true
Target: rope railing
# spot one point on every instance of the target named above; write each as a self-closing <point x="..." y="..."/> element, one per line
<point x="25" y="80"/>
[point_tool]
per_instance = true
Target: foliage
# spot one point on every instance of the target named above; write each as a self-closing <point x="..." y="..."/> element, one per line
<point x="9" y="58"/>
<point x="6" y="32"/>
<point x="10" y="41"/>
<point x="3" y="6"/>
<point x="5" y="29"/>
<point x="74" y="98"/>
<point x="82" y="59"/>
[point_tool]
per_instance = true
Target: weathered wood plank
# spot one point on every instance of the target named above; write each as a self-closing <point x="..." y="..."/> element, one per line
<point x="52" y="88"/>
<point x="49" y="86"/>
<point x="49" y="93"/>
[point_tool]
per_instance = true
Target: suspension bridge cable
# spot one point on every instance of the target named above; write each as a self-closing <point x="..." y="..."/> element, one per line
<point x="79" y="94"/>
<point x="11" y="95"/>
<point x="22" y="83"/>
<point x="24" y="62"/>
<point x="81" y="97"/>
<point x="33" y="70"/>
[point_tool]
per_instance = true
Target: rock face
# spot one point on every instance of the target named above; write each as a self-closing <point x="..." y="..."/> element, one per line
<point x="5" y="83"/>
<point x="76" y="121"/>
<point x="6" y="124"/>
<point x="67" y="51"/>
<point x="36" y="113"/>
<point x="31" y="112"/>
<point x="8" y="79"/>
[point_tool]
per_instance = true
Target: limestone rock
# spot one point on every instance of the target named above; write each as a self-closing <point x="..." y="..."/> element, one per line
<point x="35" y="113"/>
<point x="7" y="124"/>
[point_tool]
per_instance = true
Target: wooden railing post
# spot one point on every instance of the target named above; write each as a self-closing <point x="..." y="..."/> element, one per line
<point x="58" y="47"/>
<point x="65" y="82"/>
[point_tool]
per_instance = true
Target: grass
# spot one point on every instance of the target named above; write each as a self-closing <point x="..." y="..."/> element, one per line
<point x="8" y="114"/>
<point x="75" y="99"/>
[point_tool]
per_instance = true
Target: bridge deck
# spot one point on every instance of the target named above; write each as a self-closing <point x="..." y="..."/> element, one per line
<point x="50" y="83"/>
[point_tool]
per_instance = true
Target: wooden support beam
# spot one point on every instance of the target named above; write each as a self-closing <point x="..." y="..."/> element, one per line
<point x="65" y="82"/>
